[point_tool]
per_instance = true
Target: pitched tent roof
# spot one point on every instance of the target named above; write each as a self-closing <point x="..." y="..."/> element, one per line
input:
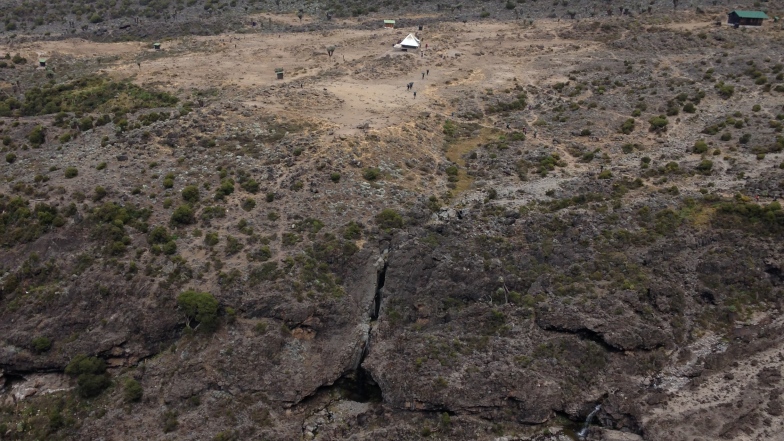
<point x="389" y="21"/>
<point x="410" y="41"/>
<point x="750" y="14"/>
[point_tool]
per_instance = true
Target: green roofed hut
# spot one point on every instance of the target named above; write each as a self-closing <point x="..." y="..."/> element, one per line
<point x="42" y="62"/>
<point x="389" y="24"/>
<point x="746" y="18"/>
<point x="157" y="46"/>
<point x="279" y="73"/>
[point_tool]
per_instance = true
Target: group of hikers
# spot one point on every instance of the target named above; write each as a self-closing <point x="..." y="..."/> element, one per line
<point x="410" y="86"/>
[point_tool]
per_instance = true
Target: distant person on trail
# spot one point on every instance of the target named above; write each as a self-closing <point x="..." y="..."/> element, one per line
<point x="423" y="75"/>
<point x="415" y="94"/>
<point x="507" y="126"/>
<point x="140" y="65"/>
<point x="428" y="71"/>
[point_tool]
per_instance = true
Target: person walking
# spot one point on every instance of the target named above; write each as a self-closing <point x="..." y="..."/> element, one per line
<point x="414" y="94"/>
<point x="428" y="71"/>
<point x="423" y="75"/>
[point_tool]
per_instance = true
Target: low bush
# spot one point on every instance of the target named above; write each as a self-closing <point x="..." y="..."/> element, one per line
<point x="389" y="218"/>
<point x="132" y="391"/>
<point x="371" y="174"/>
<point x="41" y="344"/>
<point x="658" y="123"/>
<point x="183" y="215"/>
<point x="90" y="373"/>
<point x="628" y="126"/>
<point x="190" y="194"/>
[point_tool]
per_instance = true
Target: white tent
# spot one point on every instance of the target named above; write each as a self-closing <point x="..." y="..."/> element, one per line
<point x="410" y="42"/>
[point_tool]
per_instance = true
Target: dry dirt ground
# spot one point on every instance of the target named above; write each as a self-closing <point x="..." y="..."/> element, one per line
<point x="484" y="55"/>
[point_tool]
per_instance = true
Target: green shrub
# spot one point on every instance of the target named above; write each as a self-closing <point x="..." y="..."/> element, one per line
<point x="289" y="239"/>
<point x="700" y="146"/>
<point x="183" y="215"/>
<point x="85" y="123"/>
<point x="37" y="136"/>
<point x="607" y="174"/>
<point x="201" y="308"/>
<point x="71" y="172"/>
<point x="211" y="239"/>
<point x="658" y="123"/>
<point x="170" y="423"/>
<point x="41" y="344"/>
<point x="518" y="103"/>
<point x="99" y="194"/>
<point x="100" y="166"/>
<point x="251" y="186"/>
<point x="158" y="235"/>
<point x="233" y="245"/>
<point x="262" y="254"/>
<point x="628" y="126"/>
<point x="756" y="108"/>
<point x="334" y="177"/>
<point x="190" y="194"/>
<point x="90" y="373"/>
<point x="65" y="137"/>
<point x="705" y="167"/>
<point x="389" y="218"/>
<point x="10" y="158"/>
<point x="371" y="174"/>
<point x="352" y="231"/>
<point x="226" y="188"/>
<point x="450" y="129"/>
<point x="726" y="136"/>
<point x="689" y="108"/>
<point x="169" y="248"/>
<point x="132" y="391"/>
<point x="725" y="91"/>
<point x="248" y="204"/>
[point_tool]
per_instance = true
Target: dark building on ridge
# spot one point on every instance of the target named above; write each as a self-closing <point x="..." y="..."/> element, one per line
<point x="746" y="18"/>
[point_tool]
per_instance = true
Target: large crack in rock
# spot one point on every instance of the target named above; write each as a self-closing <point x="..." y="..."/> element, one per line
<point x="355" y="383"/>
